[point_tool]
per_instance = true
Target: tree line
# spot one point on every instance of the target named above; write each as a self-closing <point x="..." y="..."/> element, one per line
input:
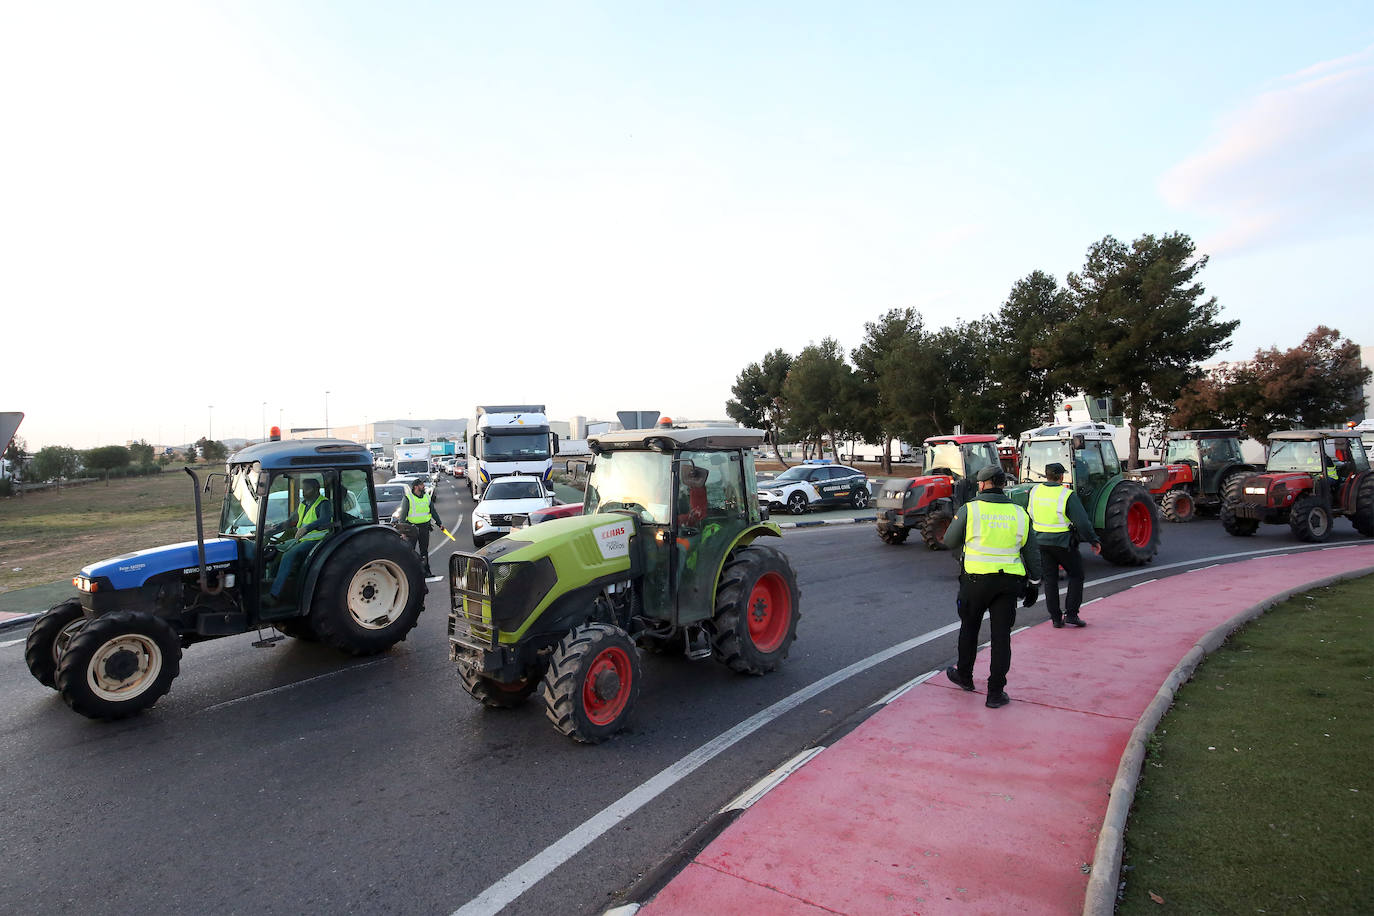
<point x="58" y="462"/>
<point x="1134" y="324"/>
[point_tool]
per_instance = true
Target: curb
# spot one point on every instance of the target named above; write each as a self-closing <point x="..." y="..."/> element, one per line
<point x="18" y="621"/>
<point x="829" y="521"/>
<point x="1100" y="898"/>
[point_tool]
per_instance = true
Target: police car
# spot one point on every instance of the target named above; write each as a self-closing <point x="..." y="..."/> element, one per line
<point x="815" y="486"/>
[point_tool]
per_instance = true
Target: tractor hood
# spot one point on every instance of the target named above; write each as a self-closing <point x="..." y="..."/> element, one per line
<point x="134" y="569"/>
<point x="583" y="547"/>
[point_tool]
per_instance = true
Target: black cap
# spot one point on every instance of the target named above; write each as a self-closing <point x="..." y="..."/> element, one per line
<point x="1055" y="468"/>
<point x="993" y="474"/>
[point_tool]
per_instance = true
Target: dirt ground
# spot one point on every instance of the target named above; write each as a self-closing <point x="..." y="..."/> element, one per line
<point x="48" y="536"/>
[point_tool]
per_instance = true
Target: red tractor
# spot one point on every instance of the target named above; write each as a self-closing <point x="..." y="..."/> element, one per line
<point x="1198" y="463"/>
<point x="1312" y="476"/>
<point x="929" y="502"/>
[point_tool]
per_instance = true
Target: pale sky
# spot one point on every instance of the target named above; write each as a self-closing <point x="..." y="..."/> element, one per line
<point x="420" y="207"/>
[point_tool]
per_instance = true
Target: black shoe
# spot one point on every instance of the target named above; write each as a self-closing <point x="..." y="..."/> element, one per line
<point x="1058" y="622"/>
<point x="953" y="674"/>
<point x="998" y="699"/>
<point x="1074" y="620"/>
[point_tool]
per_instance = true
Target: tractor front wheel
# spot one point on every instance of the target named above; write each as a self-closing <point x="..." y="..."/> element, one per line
<point x="49" y="638"/>
<point x="371" y="593"/>
<point x="1230" y="498"/>
<point x="1130" y="533"/>
<point x="1178" y="506"/>
<point x="893" y="534"/>
<point x="592" y="682"/>
<point x="118" y="665"/>
<point x="495" y="694"/>
<point x="756" y="610"/>
<point x="1310" y="519"/>
<point x="933" y="528"/>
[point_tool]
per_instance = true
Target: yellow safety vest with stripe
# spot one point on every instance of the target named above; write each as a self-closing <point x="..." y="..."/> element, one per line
<point x="308" y="518"/>
<point x="417" y="508"/>
<point x="995" y="534"/>
<point x="1049" y="508"/>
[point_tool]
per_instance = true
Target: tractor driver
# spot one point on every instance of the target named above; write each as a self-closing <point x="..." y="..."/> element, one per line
<point x="311" y="520"/>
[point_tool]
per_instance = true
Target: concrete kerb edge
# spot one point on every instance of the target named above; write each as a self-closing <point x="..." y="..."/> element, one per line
<point x="16" y="622"/>
<point x="1100" y="898"/>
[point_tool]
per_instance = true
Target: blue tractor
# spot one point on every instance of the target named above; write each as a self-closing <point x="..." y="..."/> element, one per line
<point x="342" y="579"/>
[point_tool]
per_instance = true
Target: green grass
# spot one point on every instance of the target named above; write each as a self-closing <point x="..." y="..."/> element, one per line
<point x="1257" y="795"/>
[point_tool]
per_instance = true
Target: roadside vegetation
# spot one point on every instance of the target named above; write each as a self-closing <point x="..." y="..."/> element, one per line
<point x="1257" y="794"/>
<point x="47" y="535"/>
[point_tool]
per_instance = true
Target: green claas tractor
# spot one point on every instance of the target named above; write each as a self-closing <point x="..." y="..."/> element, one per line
<point x="352" y="584"/>
<point x="1312" y="476"/>
<point x="665" y="556"/>
<point x="928" y="502"/>
<point x="1123" y="512"/>
<point x="1198" y="464"/>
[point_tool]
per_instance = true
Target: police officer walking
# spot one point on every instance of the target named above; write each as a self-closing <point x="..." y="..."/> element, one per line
<point x="1060" y="521"/>
<point x="1001" y="563"/>
<point x="418" y="512"/>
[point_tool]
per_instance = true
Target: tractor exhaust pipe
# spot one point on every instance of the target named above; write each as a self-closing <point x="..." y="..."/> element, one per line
<point x="200" y="533"/>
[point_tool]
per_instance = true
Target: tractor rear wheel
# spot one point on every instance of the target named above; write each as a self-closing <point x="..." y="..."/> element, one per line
<point x="933" y="528"/>
<point x="1178" y="506"/>
<point x="894" y="534"/>
<point x="118" y="665"/>
<point x="1363" y="519"/>
<point x="49" y="638"/>
<point x="592" y="682"/>
<point x="1310" y="519"/>
<point x="495" y="694"/>
<point x="756" y="610"/>
<point x="371" y="593"/>
<point x="1130" y="533"/>
<point x="1230" y="498"/>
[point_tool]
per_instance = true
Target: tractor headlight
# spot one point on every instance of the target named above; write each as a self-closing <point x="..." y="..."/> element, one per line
<point x="1254" y="491"/>
<point x="83" y="584"/>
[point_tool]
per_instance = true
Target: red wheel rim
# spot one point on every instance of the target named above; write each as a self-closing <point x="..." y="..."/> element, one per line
<point x="611" y="663"/>
<point x="770" y="612"/>
<point x="1139" y="525"/>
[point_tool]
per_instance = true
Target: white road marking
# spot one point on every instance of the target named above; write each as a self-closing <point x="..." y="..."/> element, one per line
<point x="1146" y="582"/>
<point x="13" y="642"/>
<point x="507" y="889"/>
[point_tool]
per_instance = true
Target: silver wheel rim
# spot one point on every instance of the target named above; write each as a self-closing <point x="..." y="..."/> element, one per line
<point x="1318" y="522"/>
<point x="110" y="675"/>
<point x="378" y="594"/>
<point x="64" y="636"/>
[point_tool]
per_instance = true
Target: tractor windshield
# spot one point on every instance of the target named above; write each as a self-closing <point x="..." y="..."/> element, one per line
<point x="1295" y="455"/>
<point x="239" y="517"/>
<point x="1036" y="453"/>
<point x="639" y="481"/>
<point x="943" y="457"/>
<point x="978" y="456"/>
<point x="1181" y="450"/>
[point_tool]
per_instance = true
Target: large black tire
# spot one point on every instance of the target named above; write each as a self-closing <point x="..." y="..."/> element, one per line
<point x="118" y="665"/>
<point x="1364" y="506"/>
<point x="757" y="609"/>
<point x="298" y="628"/>
<point x="797" y="503"/>
<point x="49" y="638"/>
<point x="494" y="694"/>
<point x="371" y="593"/>
<point x="592" y="682"/>
<point x="1178" y="506"/>
<point x="933" y="528"/>
<point x="1310" y="519"/>
<point x="893" y="535"/>
<point x="1230" y="498"/>
<point x="1130" y="533"/>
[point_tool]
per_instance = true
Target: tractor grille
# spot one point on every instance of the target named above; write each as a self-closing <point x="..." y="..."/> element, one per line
<point x="469" y="616"/>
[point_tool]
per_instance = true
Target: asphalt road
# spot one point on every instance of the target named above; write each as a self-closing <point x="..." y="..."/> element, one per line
<point x="291" y="780"/>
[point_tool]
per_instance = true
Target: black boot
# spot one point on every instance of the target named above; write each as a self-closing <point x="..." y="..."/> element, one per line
<point x="1074" y="620"/>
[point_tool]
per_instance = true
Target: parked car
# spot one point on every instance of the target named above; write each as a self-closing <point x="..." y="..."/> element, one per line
<point x="518" y="494"/>
<point x="815" y="486"/>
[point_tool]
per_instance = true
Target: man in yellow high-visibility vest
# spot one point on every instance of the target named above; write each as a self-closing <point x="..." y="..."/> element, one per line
<point x="419" y="513"/>
<point x="1001" y="563"/>
<point x="312" y="520"/>
<point x="1060" y="522"/>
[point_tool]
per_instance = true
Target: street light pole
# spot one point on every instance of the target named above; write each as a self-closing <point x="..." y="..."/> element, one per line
<point x="211" y="436"/>
<point x="326" y="414"/>
<point x="264" y="421"/>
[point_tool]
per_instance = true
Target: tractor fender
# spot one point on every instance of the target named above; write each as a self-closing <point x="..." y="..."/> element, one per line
<point x="331" y="547"/>
<point x="1104" y="496"/>
<point x="1350" y="493"/>
<point x="744" y="539"/>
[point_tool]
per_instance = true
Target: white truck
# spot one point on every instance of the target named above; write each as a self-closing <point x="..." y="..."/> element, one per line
<point x="506" y="439"/>
<point x="410" y="459"/>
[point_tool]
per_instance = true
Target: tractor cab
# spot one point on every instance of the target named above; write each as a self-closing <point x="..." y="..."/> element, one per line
<point x="1310" y="477"/>
<point x="663" y="557"/>
<point x="928" y="502"/>
<point x="1123" y="512"/>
